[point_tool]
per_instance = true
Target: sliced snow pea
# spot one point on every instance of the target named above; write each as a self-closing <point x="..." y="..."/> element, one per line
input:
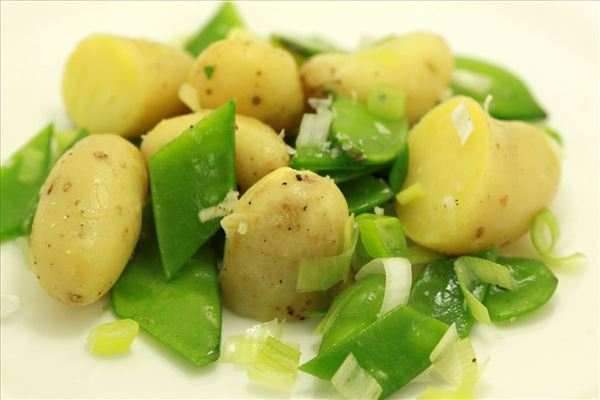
<point x="217" y="28"/>
<point x="341" y="176"/>
<point x="399" y="169"/>
<point x="365" y="136"/>
<point x="436" y="293"/>
<point x="21" y="179"/>
<point x="193" y="172"/>
<point x="324" y="159"/>
<point x="511" y="99"/>
<point x="183" y="313"/>
<point x="552" y="133"/>
<point x="536" y="285"/>
<point x="393" y="350"/>
<point x="355" y="308"/>
<point x="381" y="235"/>
<point x="365" y="193"/>
<point x="303" y="47"/>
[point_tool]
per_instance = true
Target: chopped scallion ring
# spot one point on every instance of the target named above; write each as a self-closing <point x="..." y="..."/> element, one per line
<point x="544" y="235"/>
<point x="411" y="193"/>
<point x="353" y="382"/>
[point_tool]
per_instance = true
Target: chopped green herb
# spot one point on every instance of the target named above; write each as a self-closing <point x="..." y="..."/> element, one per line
<point x="208" y="71"/>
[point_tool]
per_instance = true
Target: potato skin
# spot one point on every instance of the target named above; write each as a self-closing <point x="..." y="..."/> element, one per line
<point x="285" y="217"/>
<point x="258" y="149"/>
<point x="124" y="86"/>
<point x="88" y="219"/>
<point x="419" y="63"/>
<point x="481" y="194"/>
<point x="263" y="80"/>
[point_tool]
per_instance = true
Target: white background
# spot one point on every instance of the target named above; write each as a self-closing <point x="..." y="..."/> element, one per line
<point x="553" y="46"/>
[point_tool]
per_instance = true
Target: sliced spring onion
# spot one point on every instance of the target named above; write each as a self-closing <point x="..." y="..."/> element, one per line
<point x="189" y="96"/>
<point x="244" y="349"/>
<point x="113" y="337"/>
<point x="450" y="337"/>
<point x="411" y="193"/>
<point x="544" y="235"/>
<point x="420" y="255"/>
<point x="314" y="129"/>
<point x="468" y="269"/>
<point x="353" y="382"/>
<point x="462" y="123"/>
<point x="320" y="104"/>
<point x="386" y="101"/>
<point x="220" y="210"/>
<point x="398" y="279"/>
<point x="9" y="304"/>
<point x="382" y="236"/>
<point x="321" y="273"/>
<point x="276" y="363"/>
<point x="553" y="134"/>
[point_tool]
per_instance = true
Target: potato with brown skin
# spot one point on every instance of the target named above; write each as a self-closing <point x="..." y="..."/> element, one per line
<point x="284" y="218"/>
<point x="262" y="79"/>
<point x="258" y="149"/>
<point x="124" y="86"/>
<point x="88" y="219"/>
<point x="419" y="63"/>
<point x="481" y="191"/>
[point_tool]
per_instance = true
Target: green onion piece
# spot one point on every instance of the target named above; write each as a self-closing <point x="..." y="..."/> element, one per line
<point x="398" y="280"/>
<point x="399" y="169"/>
<point x="381" y="236"/>
<point x="420" y="255"/>
<point x="314" y="129"/>
<point x="303" y="47"/>
<point x="553" y="134"/>
<point x="321" y="273"/>
<point x="411" y="193"/>
<point x="386" y="101"/>
<point x="468" y="269"/>
<point x="113" y="337"/>
<point x="244" y="349"/>
<point x="449" y="338"/>
<point x="353" y="382"/>
<point x="276" y="364"/>
<point x="544" y="235"/>
<point x="217" y="28"/>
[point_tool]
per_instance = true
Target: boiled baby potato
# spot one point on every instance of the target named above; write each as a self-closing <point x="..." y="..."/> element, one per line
<point x="419" y="63"/>
<point x="484" y="179"/>
<point x="258" y="149"/>
<point x="284" y="218"/>
<point x="262" y="79"/>
<point x="123" y="86"/>
<point x="88" y="219"/>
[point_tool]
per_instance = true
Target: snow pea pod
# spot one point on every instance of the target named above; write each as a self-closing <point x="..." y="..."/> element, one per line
<point x="217" y="28"/>
<point x="184" y="313"/>
<point x="193" y="172"/>
<point x="303" y="47"/>
<point x="511" y="99"/>
<point x="324" y="159"/>
<point x="341" y="176"/>
<point x="21" y="179"/>
<point x="393" y="350"/>
<point x="399" y="169"/>
<point x="355" y="308"/>
<point x="365" y="193"/>
<point x="536" y="285"/>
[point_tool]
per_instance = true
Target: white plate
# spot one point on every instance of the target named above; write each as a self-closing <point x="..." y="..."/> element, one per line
<point x="553" y="46"/>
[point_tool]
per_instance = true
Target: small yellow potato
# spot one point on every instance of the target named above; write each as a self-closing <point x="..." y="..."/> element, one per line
<point x="262" y="79"/>
<point x="124" y="86"/>
<point x="258" y="148"/>
<point x="484" y="179"/>
<point x="284" y="218"/>
<point x="419" y="63"/>
<point x="88" y="219"/>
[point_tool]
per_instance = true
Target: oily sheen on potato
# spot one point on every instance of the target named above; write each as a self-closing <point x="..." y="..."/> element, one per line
<point x="88" y="219"/>
<point x="258" y="148"/>
<point x="419" y="63"/>
<point x="124" y="86"/>
<point x="484" y="179"/>
<point x="284" y="218"/>
<point x="263" y="80"/>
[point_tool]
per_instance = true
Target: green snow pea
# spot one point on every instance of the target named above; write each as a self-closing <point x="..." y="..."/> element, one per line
<point x="363" y="135"/>
<point x="183" y="313"/>
<point x="536" y="285"/>
<point x="21" y="179"/>
<point x="436" y="293"/>
<point x="511" y="99"/>
<point x="399" y="169"/>
<point x="191" y="173"/>
<point x="382" y="236"/>
<point x="303" y="47"/>
<point x="365" y="193"/>
<point x="393" y="350"/>
<point x="355" y="308"/>
<point x="552" y="133"/>
<point x="325" y="159"/>
<point x="217" y="28"/>
<point x="341" y="176"/>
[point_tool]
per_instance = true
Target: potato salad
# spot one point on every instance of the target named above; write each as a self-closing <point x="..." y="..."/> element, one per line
<point x="370" y="190"/>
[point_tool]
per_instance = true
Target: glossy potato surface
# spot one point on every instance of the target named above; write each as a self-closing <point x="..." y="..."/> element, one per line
<point x="482" y="193"/>
<point x="88" y="219"/>
<point x="124" y="86"/>
<point x="285" y="217"/>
